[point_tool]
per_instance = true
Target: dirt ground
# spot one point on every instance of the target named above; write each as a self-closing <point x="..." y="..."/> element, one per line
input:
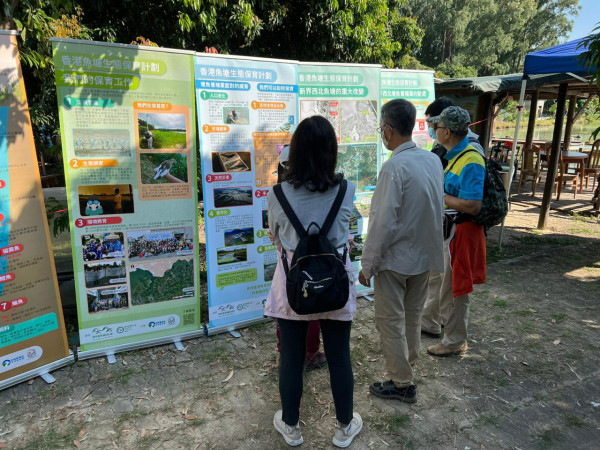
<point x="530" y="379"/>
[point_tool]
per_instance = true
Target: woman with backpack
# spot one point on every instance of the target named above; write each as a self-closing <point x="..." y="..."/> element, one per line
<point x="310" y="188"/>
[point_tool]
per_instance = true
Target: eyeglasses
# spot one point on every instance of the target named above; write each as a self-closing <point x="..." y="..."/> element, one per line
<point x="380" y="129"/>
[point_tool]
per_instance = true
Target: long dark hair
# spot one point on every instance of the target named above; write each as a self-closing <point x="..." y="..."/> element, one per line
<point x="313" y="156"/>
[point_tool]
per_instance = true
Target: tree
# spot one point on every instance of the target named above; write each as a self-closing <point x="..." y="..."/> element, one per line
<point x="493" y="36"/>
<point x="591" y="58"/>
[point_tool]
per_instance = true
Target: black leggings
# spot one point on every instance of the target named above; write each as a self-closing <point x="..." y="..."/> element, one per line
<point x="336" y="342"/>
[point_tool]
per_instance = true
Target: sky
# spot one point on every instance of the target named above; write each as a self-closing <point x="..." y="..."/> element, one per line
<point x="585" y="22"/>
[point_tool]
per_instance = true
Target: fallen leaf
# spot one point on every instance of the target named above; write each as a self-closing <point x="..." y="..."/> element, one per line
<point x="124" y="362"/>
<point x="115" y="444"/>
<point x="77" y="443"/>
<point x="144" y="432"/>
<point x="82" y="432"/>
<point x="253" y="345"/>
<point x="191" y="417"/>
<point x="556" y="342"/>
<point x="30" y="382"/>
<point x="108" y="376"/>
<point x="373" y="360"/>
<point x="228" y="377"/>
<point x="524" y="363"/>
<point x="242" y="384"/>
<point x="532" y="310"/>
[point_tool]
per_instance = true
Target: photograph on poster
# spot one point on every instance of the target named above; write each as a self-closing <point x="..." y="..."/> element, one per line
<point x="162" y="280"/>
<point x="106" y="273"/>
<point x="236" y="115"/>
<point x="162" y="131"/>
<point x="358" y="163"/>
<point x="163" y="168"/>
<point x="359" y="120"/>
<point x="231" y="162"/>
<point x="101" y="141"/>
<point x="330" y="109"/>
<point x="103" y="199"/>
<point x="239" y="236"/>
<point x="265" y="219"/>
<point x="158" y="244"/>
<point x="99" y="246"/>
<point x="269" y="270"/>
<point x="231" y="255"/>
<point x="235" y="196"/>
<point x="109" y="299"/>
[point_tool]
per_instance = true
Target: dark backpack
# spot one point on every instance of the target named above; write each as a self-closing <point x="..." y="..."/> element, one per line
<point x="317" y="280"/>
<point x="494" y="205"/>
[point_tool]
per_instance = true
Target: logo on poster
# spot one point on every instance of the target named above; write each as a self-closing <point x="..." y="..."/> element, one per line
<point x="243" y="306"/>
<point x="157" y="324"/>
<point x="8" y="362"/>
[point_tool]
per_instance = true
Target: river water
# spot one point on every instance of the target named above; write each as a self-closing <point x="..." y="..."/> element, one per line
<point x="544" y="132"/>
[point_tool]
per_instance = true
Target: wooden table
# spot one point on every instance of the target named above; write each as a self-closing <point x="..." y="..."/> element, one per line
<point x="578" y="158"/>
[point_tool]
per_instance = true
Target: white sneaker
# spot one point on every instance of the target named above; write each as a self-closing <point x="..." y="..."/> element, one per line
<point x="292" y="435"/>
<point x="343" y="437"/>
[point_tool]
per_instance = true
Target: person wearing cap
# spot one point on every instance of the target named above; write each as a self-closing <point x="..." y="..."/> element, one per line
<point x="465" y="254"/>
<point x="435" y="108"/>
<point x="404" y="242"/>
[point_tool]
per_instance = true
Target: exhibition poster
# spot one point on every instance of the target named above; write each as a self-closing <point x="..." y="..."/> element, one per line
<point x="416" y="87"/>
<point x="348" y="96"/>
<point x="32" y="330"/>
<point x="129" y="146"/>
<point x="247" y="110"/>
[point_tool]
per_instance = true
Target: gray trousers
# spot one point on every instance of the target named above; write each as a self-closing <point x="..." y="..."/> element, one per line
<point x="399" y="303"/>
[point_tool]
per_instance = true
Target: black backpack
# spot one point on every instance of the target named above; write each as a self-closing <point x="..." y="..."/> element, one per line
<point x="494" y="205"/>
<point x="317" y="280"/>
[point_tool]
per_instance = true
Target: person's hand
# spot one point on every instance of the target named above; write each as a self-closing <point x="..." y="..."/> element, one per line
<point x="271" y="237"/>
<point x="362" y="280"/>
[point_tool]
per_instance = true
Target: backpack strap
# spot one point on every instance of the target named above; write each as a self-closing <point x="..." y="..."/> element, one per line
<point x="337" y="203"/>
<point x="287" y="209"/>
<point x="460" y="156"/>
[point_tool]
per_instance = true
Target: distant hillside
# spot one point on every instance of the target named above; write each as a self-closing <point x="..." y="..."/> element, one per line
<point x="146" y="288"/>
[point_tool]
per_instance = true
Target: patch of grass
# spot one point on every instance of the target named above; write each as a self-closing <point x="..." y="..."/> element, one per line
<point x="392" y="423"/>
<point x="453" y="409"/>
<point x="54" y="391"/>
<point x="526" y="327"/>
<point x="500" y="303"/>
<point x="523" y="312"/>
<point x="559" y="317"/>
<point x="123" y="376"/>
<point x="219" y="352"/>
<point x="488" y="420"/>
<point x="131" y="416"/>
<point x="549" y="438"/>
<point x="52" y="439"/>
<point x="258" y="326"/>
<point x="571" y="420"/>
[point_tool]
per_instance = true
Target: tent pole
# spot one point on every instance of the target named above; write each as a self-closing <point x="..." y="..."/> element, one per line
<point x="553" y="162"/>
<point x="511" y="162"/>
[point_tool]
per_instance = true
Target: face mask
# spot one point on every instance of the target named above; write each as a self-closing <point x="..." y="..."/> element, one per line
<point x="384" y="140"/>
<point x="432" y="133"/>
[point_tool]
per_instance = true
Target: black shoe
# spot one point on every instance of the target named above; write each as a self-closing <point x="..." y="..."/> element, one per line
<point x="430" y="334"/>
<point x="388" y="389"/>
<point x="318" y="361"/>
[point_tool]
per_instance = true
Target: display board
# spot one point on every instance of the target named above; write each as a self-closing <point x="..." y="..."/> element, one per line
<point x="348" y="96"/>
<point x="32" y="330"/>
<point x="247" y="110"/>
<point x="128" y="131"/>
<point x="415" y="86"/>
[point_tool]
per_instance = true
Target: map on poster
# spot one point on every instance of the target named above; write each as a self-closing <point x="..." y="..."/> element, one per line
<point x="127" y="122"/>
<point x="247" y="112"/>
<point x="348" y="96"/>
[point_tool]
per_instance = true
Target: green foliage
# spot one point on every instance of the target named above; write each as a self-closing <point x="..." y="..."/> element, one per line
<point x="591" y="59"/>
<point x="57" y="214"/>
<point x="454" y="69"/>
<point x="492" y="36"/>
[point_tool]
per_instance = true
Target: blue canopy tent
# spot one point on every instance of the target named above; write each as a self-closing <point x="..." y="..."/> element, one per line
<point x="563" y="59"/>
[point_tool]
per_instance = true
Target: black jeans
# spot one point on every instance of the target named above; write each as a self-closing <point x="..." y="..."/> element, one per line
<point x="336" y="342"/>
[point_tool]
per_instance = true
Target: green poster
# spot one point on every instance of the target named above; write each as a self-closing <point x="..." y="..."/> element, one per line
<point x="416" y="87"/>
<point x="129" y="146"/>
<point x="348" y="96"/>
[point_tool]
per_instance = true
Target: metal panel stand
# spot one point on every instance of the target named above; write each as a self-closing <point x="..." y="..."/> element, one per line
<point x="43" y="371"/>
